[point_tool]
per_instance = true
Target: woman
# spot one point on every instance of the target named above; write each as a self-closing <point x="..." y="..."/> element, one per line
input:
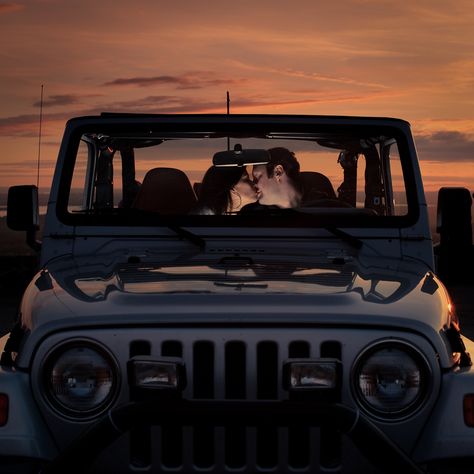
<point x="225" y="191"/>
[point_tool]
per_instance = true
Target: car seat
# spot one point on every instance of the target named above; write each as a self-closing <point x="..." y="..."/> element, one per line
<point x="166" y="191"/>
<point x="314" y="182"/>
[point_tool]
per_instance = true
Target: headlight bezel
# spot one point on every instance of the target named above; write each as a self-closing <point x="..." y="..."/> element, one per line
<point x="51" y="358"/>
<point x="426" y="380"/>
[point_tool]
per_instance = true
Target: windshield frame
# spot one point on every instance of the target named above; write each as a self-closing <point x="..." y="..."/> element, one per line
<point x="239" y="125"/>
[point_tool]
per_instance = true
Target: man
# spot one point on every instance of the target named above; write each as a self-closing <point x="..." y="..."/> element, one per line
<point x="278" y="182"/>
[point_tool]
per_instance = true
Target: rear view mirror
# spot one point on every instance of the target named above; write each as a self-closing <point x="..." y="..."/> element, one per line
<point x="241" y="157"/>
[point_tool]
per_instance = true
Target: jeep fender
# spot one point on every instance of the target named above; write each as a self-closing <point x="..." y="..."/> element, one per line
<point x="446" y="434"/>
<point x="25" y="434"/>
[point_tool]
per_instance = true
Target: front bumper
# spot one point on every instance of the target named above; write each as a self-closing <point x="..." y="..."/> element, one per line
<point x="368" y="438"/>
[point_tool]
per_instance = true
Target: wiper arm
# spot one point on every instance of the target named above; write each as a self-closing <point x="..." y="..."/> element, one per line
<point x="274" y="210"/>
<point x="345" y="237"/>
<point x="183" y="233"/>
<point x="187" y="235"/>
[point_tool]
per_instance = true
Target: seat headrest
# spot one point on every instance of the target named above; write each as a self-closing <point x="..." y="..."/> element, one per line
<point x="166" y="191"/>
<point x="318" y="182"/>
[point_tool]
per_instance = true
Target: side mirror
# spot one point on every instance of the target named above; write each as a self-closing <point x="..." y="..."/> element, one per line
<point x="455" y="252"/>
<point x="454" y="217"/>
<point x="23" y="212"/>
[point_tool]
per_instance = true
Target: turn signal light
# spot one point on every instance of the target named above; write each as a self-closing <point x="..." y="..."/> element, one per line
<point x="468" y="408"/>
<point x="3" y="409"/>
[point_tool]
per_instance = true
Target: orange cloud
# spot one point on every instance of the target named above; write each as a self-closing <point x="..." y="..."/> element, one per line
<point x="28" y="125"/>
<point x="196" y="80"/>
<point x="10" y="7"/>
<point x="446" y="146"/>
<point x="54" y="100"/>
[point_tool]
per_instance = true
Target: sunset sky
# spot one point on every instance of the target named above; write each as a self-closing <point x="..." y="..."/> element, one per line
<point x="413" y="60"/>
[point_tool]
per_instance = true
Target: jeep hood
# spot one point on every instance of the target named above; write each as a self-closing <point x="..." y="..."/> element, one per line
<point x="244" y="290"/>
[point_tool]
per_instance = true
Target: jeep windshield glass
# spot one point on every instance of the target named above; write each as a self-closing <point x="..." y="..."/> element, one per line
<point x="216" y="173"/>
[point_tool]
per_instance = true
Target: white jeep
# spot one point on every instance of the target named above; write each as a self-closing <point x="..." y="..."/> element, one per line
<point x="160" y="337"/>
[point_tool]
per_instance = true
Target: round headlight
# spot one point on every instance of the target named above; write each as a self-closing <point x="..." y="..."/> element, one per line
<point x="391" y="379"/>
<point x="81" y="379"/>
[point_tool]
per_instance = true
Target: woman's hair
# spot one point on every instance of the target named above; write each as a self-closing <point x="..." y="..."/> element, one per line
<point x="215" y="191"/>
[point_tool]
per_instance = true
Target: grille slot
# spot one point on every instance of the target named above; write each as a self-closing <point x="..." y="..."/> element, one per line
<point x="172" y="436"/>
<point x="203" y="446"/>
<point x="203" y="370"/>
<point x="235" y="389"/>
<point x="298" y="438"/>
<point x="298" y="350"/>
<point x="267" y="446"/>
<point x="140" y="442"/>
<point x="267" y="371"/>
<point x="140" y="347"/>
<point x="331" y="440"/>
<point x="235" y="446"/>
<point x="172" y="349"/>
<point x="235" y="371"/>
<point x="203" y="388"/>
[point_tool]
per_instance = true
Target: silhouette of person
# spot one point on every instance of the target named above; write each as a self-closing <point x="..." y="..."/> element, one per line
<point x="225" y="190"/>
<point x="278" y="182"/>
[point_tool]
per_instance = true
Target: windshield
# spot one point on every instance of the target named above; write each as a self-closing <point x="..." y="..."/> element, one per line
<point x="224" y="175"/>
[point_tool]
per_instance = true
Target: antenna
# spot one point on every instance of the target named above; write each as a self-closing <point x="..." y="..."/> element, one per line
<point x="39" y="137"/>
<point x="228" y="113"/>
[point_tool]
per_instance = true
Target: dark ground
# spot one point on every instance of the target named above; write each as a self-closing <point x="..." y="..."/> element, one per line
<point x="16" y="272"/>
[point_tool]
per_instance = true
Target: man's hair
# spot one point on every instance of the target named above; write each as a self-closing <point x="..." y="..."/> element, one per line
<point x="287" y="159"/>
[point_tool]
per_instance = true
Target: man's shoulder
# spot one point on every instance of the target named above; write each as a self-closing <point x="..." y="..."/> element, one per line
<point x="256" y="208"/>
<point x="312" y="194"/>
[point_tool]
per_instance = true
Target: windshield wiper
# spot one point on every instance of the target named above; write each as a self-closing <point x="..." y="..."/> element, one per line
<point x="178" y="230"/>
<point x="345" y="237"/>
<point x="275" y="210"/>
<point x="187" y="235"/>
